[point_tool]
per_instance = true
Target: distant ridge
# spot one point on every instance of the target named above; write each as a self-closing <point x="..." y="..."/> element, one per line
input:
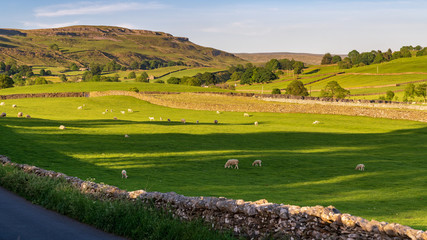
<point x="101" y="44"/>
<point x="309" y="58"/>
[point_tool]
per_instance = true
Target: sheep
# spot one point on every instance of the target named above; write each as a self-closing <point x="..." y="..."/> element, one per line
<point x="183" y="121"/>
<point x="126" y="136"/>
<point x="3" y="114"/>
<point x="218" y="112"/>
<point x="169" y="120"/>
<point x="28" y="116"/>
<point x="151" y="118"/>
<point x="256" y="163"/>
<point x="20" y="114"/>
<point x="115" y="118"/>
<point x="106" y="110"/>
<point x="62" y="127"/>
<point x="130" y="110"/>
<point x="79" y="107"/>
<point x="161" y="119"/>
<point x="103" y="113"/>
<point x="232" y="162"/>
<point x="245" y="114"/>
<point x="2" y="104"/>
<point x="216" y="121"/>
<point x="197" y="121"/>
<point x="124" y="175"/>
<point x="360" y="167"/>
<point x="123" y="112"/>
<point x="256" y="123"/>
<point x="316" y="122"/>
<point x="14" y="106"/>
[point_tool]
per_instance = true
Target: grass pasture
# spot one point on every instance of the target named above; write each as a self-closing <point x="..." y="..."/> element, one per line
<point x="303" y="164"/>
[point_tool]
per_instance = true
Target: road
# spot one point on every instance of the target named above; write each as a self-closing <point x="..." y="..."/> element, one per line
<point x="21" y="220"/>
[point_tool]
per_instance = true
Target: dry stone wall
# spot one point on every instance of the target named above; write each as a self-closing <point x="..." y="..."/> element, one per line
<point x="252" y="220"/>
<point x="44" y="95"/>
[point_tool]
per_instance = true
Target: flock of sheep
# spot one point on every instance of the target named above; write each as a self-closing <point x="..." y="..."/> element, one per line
<point x="20" y="114"/>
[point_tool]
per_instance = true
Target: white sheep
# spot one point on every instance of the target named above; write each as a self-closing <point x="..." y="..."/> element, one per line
<point x="130" y="110"/>
<point x="124" y="175"/>
<point x="316" y="122"/>
<point x="3" y="114"/>
<point x="103" y="113"/>
<point x="126" y="136"/>
<point x="218" y="112"/>
<point x="183" y="121"/>
<point x="360" y="167"/>
<point x="151" y="118"/>
<point x="14" y="106"/>
<point x="2" y="104"/>
<point x="245" y="114"/>
<point x="161" y="119"/>
<point x="256" y="163"/>
<point x="62" y="127"/>
<point x="79" y="107"/>
<point x="20" y="114"/>
<point x="256" y="123"/>
<point x="123" y="112"/>
<point x="232" y="162"/>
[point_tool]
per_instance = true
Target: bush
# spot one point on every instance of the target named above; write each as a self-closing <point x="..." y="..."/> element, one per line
<point x="134" y="89"/>
<point x="159" y="81"/>
<point x="276" y="91"/>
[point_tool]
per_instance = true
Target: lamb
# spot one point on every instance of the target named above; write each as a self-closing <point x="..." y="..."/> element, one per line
<point x="130" y="110"/>
<point x="256" y="163"/>
<point x="316" y="122"/>
<point x="3" y="115"/>
<point x="62" y="127"/>
<point x="151" y="118"/>
<point x="232" y="162"/>
<point x="20" y="114"/>
<point x="123" y="112"/>
<point x="124" y="175"/>
<point x="245" y="114"/>
<point x="79" y="108"/>
<point x="183" y="121"/>
<point x="256" y="123"/>
<point x="2" y="104"/>
<point x="360" y="167"/>
<point x="14" y="106"/>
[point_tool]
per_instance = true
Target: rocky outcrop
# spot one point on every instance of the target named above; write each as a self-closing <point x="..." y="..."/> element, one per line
<point x="252" y="220"/>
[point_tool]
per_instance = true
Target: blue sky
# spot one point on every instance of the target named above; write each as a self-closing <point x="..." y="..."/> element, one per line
<point x="313" y="26"/>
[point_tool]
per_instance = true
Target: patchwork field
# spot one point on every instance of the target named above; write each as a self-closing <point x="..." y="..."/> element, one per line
<point x="303" y="163"/>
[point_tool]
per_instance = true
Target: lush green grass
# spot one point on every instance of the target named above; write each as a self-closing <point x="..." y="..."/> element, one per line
<point x="402" y="65"/>
<point x="134" y="220"/>
<point x="303" y="164"/>
<point x="190" y="72"/>
<point x="104" y="86"/>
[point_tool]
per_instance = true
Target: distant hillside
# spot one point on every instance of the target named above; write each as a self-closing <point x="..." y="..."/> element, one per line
<point x="101" y="44"/>
<point x="313" y="59"/>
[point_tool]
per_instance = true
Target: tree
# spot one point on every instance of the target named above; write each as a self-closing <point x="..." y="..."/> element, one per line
<point x="40" y="81"/>
<point x="379" y="57"/>
<point x="2" y="67"/>
<point x="74" y="67"/>
<point x="297" y="88"/>
<point x="389" y="95"/>
<point x="174" y="80"/>
<point x="405" y="51"/>
<point x="142" y="78"/>
<point x="420" y="90"/>
<point x="63" y="77"/>
<point x="298" y="67"/>
<point x="409" y="91"/>
<point x="334" y="90"/>
<point x="345" y="64"/>
<point x="42" y="72"/>
<point x="95" y="69"/>
<point x="336" y="59"/>
<point x="276" y="91"/>
<point x="134" y="65"/>
<point x="5" y="81"/>
<point x="366" y="58"/>
<point x="132" y="75"/>
<point x="327" y="59"/>
<point x="272" y="65"/>
<point x="54" y="47"/>
<point x="354" y="57"/>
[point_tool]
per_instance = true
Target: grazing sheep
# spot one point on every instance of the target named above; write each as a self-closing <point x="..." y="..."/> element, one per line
<point x="130" y="110"/>
<point x="161" y="119"/>
<point x="28" y="116"/>
<point x="14" y="106"/>
<point x="115" y="118"/>
<point x="62" y="127"/>
<point x="2" y="104"/>
<point x="256" y="123"/>
<point x="103" y="113"/>
<point x="106" y="110"/>
<point x="20" y="114"/>
<point x="360" y="167"/>
<point x="169" y="120"/>
<point x="183" y="121"/>
<point x="126" y="136"/>
<point x="123" y="112"/>
<point x="245" y="114"/>
<point x="256" y="163"/>
<point x="124" y="175"/>
<point x="232" y="162"/>
<point x="151" y="118"/>
<point x="218" y="112"/>
<point x="3" y="115"/>
<point x="79" y="108"/>
<point x="216" y="121"/>
<point x="316" y="122"/>
<point x="197" y="121"/>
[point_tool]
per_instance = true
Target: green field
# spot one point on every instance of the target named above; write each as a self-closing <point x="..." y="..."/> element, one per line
<point x="303" y="164"/>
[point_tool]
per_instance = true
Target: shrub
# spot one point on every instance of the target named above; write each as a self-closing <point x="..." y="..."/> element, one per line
<point x="276" y="91"/>
<point x="159" y="81"/>
<point x="134" y="89"/>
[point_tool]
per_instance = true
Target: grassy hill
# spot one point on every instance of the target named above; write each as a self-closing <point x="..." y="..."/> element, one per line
<point x="308" y="58"/>
<point x="102" y="44"/>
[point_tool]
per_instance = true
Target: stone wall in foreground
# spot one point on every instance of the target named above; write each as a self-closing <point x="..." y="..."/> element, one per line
<point x="44" y="95"/>
<point x="253" y="220"/>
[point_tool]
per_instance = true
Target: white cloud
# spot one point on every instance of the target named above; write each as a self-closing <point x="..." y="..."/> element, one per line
<point x="49" y="25"/>
<point x="87" y="8"/>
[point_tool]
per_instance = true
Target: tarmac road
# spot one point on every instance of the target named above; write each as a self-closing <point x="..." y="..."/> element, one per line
<point x="21" y="220"/>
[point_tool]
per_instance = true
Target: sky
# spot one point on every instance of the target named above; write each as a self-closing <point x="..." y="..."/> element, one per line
<point x="242" y="26"/>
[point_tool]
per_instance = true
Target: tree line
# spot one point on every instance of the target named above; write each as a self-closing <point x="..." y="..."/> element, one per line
<point x="12" y="74"/>
<point x="356" y="59"/>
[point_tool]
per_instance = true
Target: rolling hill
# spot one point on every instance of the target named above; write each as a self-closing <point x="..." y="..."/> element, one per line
<point x="101" y="44"/>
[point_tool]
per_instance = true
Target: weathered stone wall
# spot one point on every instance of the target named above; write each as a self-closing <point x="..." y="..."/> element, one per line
<point x="44" y="95"/>
<point x="253" y="220"/>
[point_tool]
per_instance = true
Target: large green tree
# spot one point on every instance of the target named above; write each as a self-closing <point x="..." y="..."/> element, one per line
<point x="334" y="90"/>
<point x="327" y="59"/>
<point x="5" y="81"/>
<point x="420" y="90"/>
<point x="296" y="87"/>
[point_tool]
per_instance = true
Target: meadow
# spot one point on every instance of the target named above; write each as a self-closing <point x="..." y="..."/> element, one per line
<point x="303" y="164"/>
